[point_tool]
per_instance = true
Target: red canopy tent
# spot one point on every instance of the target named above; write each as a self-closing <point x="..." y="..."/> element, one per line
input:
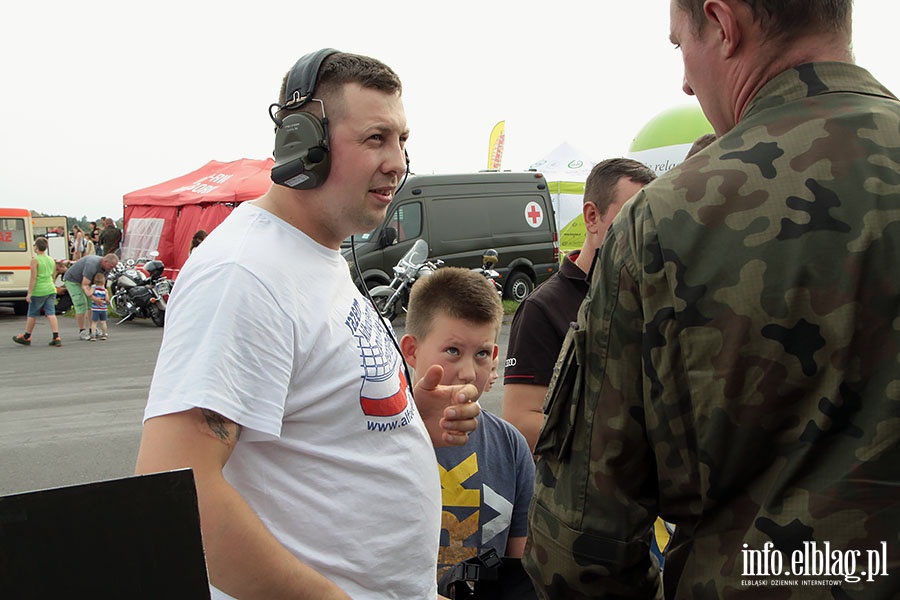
<point x="165" y="216"/>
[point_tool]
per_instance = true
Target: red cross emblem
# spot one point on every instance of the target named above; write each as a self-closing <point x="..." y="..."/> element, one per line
<point x="534" y="214"/>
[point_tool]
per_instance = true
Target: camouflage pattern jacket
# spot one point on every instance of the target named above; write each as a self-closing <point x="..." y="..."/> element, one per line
<point x="736" y="368"/>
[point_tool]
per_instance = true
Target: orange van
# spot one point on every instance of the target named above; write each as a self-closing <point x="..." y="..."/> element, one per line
<point x="16" y="252"/>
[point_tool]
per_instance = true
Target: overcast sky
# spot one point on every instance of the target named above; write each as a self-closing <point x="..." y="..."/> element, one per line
<point x="100" y="98"/>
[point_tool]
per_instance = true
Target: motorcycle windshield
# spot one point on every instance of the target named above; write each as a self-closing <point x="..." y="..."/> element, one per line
<point x="417" y="254"/>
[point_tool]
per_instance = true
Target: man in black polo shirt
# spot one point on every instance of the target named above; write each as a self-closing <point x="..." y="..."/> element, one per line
<point x="541" y="321"/>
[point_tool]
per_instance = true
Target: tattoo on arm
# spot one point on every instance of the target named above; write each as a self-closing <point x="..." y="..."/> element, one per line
<point x="225" y="429"/>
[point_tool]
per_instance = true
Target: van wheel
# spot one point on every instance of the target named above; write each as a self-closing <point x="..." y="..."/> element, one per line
<point x="20" y="308"/>
<point x="371" y="284"/>
<point x="518" y="286"/>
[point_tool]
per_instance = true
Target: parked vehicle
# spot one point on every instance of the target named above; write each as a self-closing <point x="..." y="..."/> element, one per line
<point x="16" y="252"/>
<point x="137" y="289"/>
<point x="461" y="215"/>
<point x="56" y="230"/>
<point x="391" y="299"/>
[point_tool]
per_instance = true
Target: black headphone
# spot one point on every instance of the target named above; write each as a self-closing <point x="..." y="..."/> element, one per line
<point x="302" y="154"/>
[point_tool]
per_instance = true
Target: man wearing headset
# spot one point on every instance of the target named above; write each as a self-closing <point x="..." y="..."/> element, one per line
<point x="280" y="385"/>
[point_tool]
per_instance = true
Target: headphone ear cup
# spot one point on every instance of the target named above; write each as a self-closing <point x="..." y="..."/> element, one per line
<point x="302" y="156"/>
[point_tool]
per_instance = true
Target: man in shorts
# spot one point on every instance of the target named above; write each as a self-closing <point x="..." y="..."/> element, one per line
<point x="78" y="280"/>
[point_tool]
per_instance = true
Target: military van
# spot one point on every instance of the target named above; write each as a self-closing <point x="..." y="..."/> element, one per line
<point x="461" y="216"/>
<point x="16" y="252"/>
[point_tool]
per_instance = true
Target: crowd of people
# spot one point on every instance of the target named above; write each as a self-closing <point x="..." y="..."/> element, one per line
<point x="85" y="282"/>
<point x="702" y="366"/>
<point x="94" y="253"/>
<point x="101" y="237"/>
<point x="718" y="362"/>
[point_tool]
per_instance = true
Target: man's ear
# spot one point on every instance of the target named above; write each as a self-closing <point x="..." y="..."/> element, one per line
<point x="727" y="20"/>
<point x="408" y="347"/>
<point x="593" y="221"/>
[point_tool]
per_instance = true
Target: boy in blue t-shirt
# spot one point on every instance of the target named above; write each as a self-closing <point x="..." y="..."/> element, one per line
<point x="453" y="321"/>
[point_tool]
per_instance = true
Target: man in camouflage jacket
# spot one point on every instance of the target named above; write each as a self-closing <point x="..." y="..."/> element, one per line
<point x="736" y="365"/>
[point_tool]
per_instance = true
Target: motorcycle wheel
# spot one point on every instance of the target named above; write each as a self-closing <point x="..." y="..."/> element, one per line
<point x="380" y="296"/>
<point x="114" y="305"/>
<point x="157" y="316"/>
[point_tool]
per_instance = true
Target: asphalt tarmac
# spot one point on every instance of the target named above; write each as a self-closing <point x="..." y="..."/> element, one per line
<point x="72" y="414"/>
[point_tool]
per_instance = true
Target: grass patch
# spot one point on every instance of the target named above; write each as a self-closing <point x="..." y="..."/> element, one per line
<point x="509" y="307"/>
<point x="111" y="314"/>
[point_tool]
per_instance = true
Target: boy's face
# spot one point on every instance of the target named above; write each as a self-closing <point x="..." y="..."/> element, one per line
<point x="465" y="350"/>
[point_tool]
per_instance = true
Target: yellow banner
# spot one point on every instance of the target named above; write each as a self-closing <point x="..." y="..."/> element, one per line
<point x="495" y="148"/>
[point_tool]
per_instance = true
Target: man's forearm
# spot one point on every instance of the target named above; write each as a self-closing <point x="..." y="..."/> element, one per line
<point x="244" y="559"/>
<point x="523" y="408"/>
<point x="530" y="423"/>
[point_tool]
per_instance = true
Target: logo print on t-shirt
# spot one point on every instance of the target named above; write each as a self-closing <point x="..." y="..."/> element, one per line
<point x="383" y="390"/>
<point x="388" y="406"/>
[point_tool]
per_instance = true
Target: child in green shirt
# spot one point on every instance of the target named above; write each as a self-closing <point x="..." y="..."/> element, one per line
<point x="41" y="294"/>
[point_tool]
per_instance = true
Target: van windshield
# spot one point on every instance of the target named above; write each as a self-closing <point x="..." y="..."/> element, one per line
<point x="359" y="237"/>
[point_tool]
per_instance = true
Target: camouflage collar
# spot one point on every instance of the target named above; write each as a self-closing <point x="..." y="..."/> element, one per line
<point x="814" y="79"/>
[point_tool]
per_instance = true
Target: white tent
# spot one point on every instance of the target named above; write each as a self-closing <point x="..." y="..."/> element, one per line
<point x="566" y="170"/>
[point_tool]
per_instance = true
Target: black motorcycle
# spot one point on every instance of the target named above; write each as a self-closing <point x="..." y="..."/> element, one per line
<point x="489" y="260"/>
<point x="138" y="289"/>
<point x="391" y="300"/>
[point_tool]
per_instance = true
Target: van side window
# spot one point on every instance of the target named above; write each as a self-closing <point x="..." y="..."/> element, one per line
<point x="407" y="220"/>
<point x="12" y="235"/>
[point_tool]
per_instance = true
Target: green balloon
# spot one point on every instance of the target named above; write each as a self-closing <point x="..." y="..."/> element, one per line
<point x="676" y="126"/>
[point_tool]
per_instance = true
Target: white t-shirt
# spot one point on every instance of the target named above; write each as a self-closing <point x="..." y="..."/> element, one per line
<point x="265" y="327"/>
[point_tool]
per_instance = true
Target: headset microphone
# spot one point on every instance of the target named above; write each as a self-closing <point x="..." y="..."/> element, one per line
<point x="302" y="153"/>
<point x="405" y="175"/>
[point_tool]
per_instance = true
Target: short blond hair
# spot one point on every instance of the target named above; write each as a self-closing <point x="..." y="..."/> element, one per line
<point x="454" y="291"/>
